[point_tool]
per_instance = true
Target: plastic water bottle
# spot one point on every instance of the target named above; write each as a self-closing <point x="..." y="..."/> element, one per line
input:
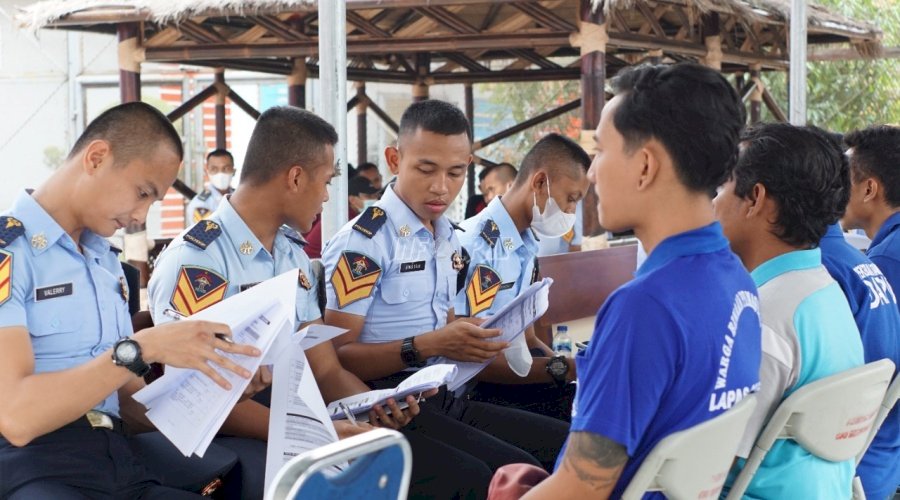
<point x="562" y="343"/>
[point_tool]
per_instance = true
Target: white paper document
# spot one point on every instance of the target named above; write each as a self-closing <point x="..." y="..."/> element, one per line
<point x="426" y="379"/>
<point x="187" y="406"/>
<point x="298" y="420"/>
<point x="512" y="320"/>
<point x="316" y="334"/>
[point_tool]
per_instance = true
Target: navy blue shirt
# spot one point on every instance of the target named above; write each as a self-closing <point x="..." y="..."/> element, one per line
<point x="671" y="349"/>
<point x="874" y="307"/>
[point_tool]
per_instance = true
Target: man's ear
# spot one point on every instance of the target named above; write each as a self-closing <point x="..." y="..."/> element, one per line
<point x="94" y="155"/>
<point x="392" y="157"/>
<point x="295" y="177"/>
<point x="651" y="159"/>
<point x="757" y="200"/>
<point x="873" y="188"/>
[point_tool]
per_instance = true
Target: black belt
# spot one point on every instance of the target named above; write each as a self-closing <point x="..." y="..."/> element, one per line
<point x="98" y="420"/>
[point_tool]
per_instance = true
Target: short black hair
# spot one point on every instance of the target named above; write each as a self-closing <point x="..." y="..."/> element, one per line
<point x="507" y="171"/>
<point x="485" y="171"/>
<point x="220" y="152"/>
<point x="803" y="170"/>
<point x="133" y="129"/>
<point x="691" y="109"/>
<point x="434" y="116"/>
<point x="366" y="166"/>
<point x="552" y="150"/>
<point x="285" y="136"/>
<point x="876" y="153"/>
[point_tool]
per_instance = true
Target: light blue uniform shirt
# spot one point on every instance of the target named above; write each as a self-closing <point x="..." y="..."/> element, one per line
<point x="511" y="255"/>
<point x="73" y="304"/>
<point x="240" y="270"/>
<point x="414" y="291"/>
<point x="553" y="246"/>
<point x="204" y="204"/>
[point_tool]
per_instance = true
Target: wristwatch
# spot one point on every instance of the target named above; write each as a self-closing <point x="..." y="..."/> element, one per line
<point x="409" y="354"/>
<point x="127" y="353"/>
<point x="558" y="368"/>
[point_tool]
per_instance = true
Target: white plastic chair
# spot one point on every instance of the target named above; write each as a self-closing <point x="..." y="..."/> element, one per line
<point x="693" y="463"/>
<point x="381" y="470"/>
<point x="829" y="418"/>
<point x="887" y="404"/>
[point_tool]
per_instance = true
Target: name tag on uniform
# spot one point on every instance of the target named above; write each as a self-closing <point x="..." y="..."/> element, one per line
<point x="247" y="286"/>
<point x="51" y="292"/>
<point x="507" y="286"/>
<point x="408" y="267"/>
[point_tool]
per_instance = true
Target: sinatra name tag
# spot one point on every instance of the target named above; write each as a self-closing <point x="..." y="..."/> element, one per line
<point x="247" y="286"/>
<point x="507" y="286"/>
<point x="408" y="267"/>
<point x="51" y="292"/>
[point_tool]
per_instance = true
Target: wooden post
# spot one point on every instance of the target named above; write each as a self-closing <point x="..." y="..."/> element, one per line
<point x="423" y="68"/>
<point x="592" y="38"/>
<point x="297" y="84"/>
<point x="712" y="38"/>
<point x="739" y="88"/>
<point x="362" y="149"/>
<point x="655" y="56"/>
<point x="221" y="94"/>
<point x="470" y="115"/>
<point x="129" y="35"/>
<point x="756" y="96"/>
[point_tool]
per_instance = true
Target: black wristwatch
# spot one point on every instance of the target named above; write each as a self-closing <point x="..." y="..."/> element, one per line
<point x="409" y="354"/>
<point x="127" y="353"/>
<point x="558" y="368"/>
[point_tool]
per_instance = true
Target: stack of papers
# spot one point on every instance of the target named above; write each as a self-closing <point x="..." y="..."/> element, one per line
<point x="187" y="406"/>
<point x="421" y="381"/>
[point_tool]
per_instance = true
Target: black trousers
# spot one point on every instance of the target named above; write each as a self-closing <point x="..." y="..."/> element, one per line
<point x="545" y="399"/>
<point x="78" y="463"/>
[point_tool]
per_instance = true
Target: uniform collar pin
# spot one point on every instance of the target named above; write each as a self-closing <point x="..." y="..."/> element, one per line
<point x="246" y="248"/>
<point x="404" y="231"/>
<point x="39" y="241"/>
<point x="508" y="244"/>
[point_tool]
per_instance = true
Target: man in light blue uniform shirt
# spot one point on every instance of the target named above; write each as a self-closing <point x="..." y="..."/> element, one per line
<point x="68" y="359"/>
<point x="875" y="207"/>
<point x="666" y="139"/>
<point x="219" y="169"/>
<point x="501" y="243"/>
<point x="391" y="280"/>
<point x="569" y="242"/>
<point x="790" y="183"/>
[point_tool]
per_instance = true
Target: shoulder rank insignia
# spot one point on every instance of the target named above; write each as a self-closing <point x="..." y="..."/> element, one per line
<point x="204" y="195"/>
<point x="10" y="229"/>
<point x="570" y="234"/>
<point x="6" y="259"/>
<point x="200" y="213"/>
<point x="482" y="289"/>
<point x="535" y="272"/>
<point x="456" y="226"/>
<point x="293" y="235"/>
<point x="490" y="232"/>
<point x="354" y="277"/>
<point x="203" y="233"/>
<point x="370" y="221"/>
<point x="197" y="288"/>
<point x="114" y="249"/>
<point x="463" y="270"/>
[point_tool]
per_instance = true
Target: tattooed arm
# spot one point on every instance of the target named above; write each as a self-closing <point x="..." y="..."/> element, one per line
<point x="590" y="469"/>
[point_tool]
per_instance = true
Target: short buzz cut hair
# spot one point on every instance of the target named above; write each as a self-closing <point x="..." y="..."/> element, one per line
<point x="692" y="110"/>
<point x="432" y="115"/>
<point x="804" y="170"/>
<point x="285" y="136"/>
<point x="506" y="171"/>
<point x="133" y="130"/>
<point x="220" y="152"/>
<point x="556" y="153"/>
<point x="876" y="153"/>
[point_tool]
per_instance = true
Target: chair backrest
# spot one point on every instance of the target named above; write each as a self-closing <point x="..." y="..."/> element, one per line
<point x="887" y="404"/>
<point x="829" y="418"/>
<point x="693" y="463"/>
<point x="381" y="471"/>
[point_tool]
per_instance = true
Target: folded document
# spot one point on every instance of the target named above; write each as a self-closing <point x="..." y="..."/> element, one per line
<point x="424" y="380"/>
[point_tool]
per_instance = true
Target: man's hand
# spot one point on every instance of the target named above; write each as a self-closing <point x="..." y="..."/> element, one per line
<point x="397" y="418"/>
<point x="461" y="340"/>
<point x="261" y="380"/>
<point x="345" y="429"/>
<point x="194" y="344"/>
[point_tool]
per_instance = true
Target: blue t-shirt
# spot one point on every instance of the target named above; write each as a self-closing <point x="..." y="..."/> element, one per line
<point x="671" y="349"/>
<point x="874" y="306"/>
<point x="885" y="249"/>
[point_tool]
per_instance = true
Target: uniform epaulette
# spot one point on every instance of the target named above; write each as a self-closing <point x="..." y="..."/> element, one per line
<point x="456" y="226"/>
<point x="490" y="232"/>
<point x="204" y="195"/>
<point x="370" y="221"/>
<point x="10" y="229"/>
<point x="203" y="233"/>
<point x="293" y="235"/>
<point x="114" y="249"/>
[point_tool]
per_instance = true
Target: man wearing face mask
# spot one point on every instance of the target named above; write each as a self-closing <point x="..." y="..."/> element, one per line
<point x="219" y="170"/>
<point x="502" y="241"/>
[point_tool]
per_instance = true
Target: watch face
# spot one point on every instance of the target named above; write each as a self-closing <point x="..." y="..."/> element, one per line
<point x="558" y="367"/>
<point x="126" y="352"/>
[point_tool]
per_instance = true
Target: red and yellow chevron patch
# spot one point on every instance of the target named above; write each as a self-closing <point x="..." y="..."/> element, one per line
<point x="5" y="275"/>
<point x="569" y="236"/>
<point x="482" y="289"/>
<point x="197" y="289"/>
<point x="354" y="277"/>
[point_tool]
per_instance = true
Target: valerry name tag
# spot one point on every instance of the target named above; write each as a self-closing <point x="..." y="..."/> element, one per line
<point x="51" y="292"/>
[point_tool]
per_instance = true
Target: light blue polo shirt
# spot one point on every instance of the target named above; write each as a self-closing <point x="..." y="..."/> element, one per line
<point x="809" y="333"/>
<point x="234" y="260"/>
<point x="73" y="304"/>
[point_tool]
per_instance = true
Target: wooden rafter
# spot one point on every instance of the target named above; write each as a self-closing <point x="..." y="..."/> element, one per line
<point x="545" y="17"/>
<point x="200" y="33"/>
<point x="279" y="28"/>
<point x="365" y="25"/>
<point x="651" y="19"/>
<point x="491" y="15"/>
<point x="533" y="57"/>
<point x="448" y="19"/>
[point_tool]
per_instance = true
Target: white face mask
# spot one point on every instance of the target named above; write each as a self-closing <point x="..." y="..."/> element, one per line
<point x="553" y="223"/>
<point x="368" y="203"/>
<point x="221" y="181"/>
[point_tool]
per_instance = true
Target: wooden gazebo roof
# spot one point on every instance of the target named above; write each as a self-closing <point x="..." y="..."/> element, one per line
<point x="453" y="41"/>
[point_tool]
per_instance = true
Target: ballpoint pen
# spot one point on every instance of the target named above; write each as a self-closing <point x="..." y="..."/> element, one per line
<point x="348" y="413"/>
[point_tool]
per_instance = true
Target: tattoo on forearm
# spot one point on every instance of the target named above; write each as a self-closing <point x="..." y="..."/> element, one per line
<point x="596" y="460"/>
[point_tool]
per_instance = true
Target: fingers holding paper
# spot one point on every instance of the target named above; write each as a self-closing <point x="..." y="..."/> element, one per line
<point x="463" y="340"/>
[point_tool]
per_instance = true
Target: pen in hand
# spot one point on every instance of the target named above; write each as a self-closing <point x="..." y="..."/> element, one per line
<point x="172" y="313"/>
<point x="348" y="414"/>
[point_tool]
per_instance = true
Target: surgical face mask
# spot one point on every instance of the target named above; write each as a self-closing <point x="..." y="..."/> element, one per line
<point x="221" y="180"/>
<point x="368" y="203"/>
<point x="553" y="223"/>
